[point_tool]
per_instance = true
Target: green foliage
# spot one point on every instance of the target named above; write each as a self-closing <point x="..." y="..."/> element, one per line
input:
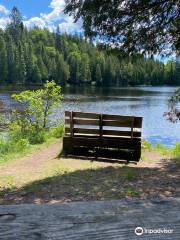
<point x="176" y="150"/>
<point x="36" y="55"/>
<point x="3" y="61"/>
<point x="128" y="173"/>
<point x="147" y="145"/>
<point x="57" y="131"/>
<point x="134" y="26"/>
<point x="166" y="151"/>
<point x="36" y="137"/>
<point x="12" y="144"/>
<point x="33" y="116"/>
<point x="132" y="192"/>
<point x="174" y="113"/>
<point x="162" y="149"/>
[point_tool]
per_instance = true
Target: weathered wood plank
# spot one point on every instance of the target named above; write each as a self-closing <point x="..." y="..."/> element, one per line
<point x="121" y="133"/>
<point x="83" y="131"/>
<point x="83" y="122"/>
<point x="119" y="143"/>
<point x="109" y="123"/>
<point x="137" y="120"/>
<point x="120" y="123"/>
<point x="91" y="131"/>
<point x="118" y="118"/>
<point x="103" y="220"/>
<point x="83" y="115"/>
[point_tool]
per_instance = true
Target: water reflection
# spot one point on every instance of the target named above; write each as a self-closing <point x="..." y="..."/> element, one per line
<point x="148" y="102"/>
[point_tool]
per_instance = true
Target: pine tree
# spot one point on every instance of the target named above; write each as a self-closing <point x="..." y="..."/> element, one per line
<point x="29" y="62"/>
<point x="85" y="75"/>
<point x="16" y="26"/>
<point x="3" y="62"/>
<point x="98" y="75"/>
<point x="43" y="69"/>
<point x="35" y="55"/>
<point x="22" y="65"/>
<point x="74" y="61"/>
<point x="62" y="70"/>
<point x="10" y="60"/>
<point x="58" y="39"/>
<point x="36" y="75"/>
<point x="177" y="70"/>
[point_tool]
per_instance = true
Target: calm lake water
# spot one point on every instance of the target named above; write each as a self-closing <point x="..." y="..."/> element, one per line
<point x="148" y="102"/>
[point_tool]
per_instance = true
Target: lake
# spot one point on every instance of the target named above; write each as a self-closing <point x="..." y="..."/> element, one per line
<point x="148" y="102"/>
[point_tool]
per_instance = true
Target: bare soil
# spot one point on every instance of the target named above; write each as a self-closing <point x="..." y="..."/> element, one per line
<point x="44" y="177"/>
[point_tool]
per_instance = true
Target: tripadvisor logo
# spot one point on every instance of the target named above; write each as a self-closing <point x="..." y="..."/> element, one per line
<point x="140" y="231"/>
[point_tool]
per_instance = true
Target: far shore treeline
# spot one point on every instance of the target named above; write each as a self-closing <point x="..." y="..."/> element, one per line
<point x="33" y="56"/>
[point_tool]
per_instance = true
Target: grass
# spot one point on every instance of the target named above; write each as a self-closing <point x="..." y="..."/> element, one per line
<point x="163" y="150"/>
<point x="17" y="155"/>
<point x="132" y="192"/>
<point x="14" y="146"/>
<point x="76" y="180"/>
<point x="79" y="178"/>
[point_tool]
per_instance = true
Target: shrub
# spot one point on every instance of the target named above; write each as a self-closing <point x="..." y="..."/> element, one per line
<point x="146" y="145"/>
<point x="58" y="131"/>
<point x="32" y="119"/>
<point x="11" y="144"/>
<point x="36" y="137"/>
<point x="176" y="150"/>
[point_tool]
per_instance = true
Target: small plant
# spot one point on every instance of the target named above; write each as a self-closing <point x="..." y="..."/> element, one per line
<point x="32" y="118"/>
<point x="176" y="150"/>
<point x="132" y="192"/>
<point x="128" y="173"/>
<point x="162" y="149"/>
<point x="58" y="131"/>
<point x="146" y="145"/>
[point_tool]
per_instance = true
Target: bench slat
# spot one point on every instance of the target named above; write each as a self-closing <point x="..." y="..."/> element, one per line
<point x="108" y="123"/>
<point x="121" y="133"/>
<point x="83" y="122"/>
<point x="120" y="143"/>
<point x="83" y="115"/>
<point x="137" y="120"/>
<point x="122" y="123"/>
<point x="83" y="131"/>
<point x="119" y="117"/>
<point x="99" y="142"/>
<point x="104" y="133"/>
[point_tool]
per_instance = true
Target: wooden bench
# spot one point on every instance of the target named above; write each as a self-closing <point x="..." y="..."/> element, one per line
<point x="102" y="136"/>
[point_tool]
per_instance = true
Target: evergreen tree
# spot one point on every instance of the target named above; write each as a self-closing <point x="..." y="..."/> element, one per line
<point x="43" y="69"/>
<point x="15" y="27"/>
<point x="62" y="70"/>
<point x="3" y="62"/>
<point x="22" y="65"/>
<point x="34" y="55"/>
<point x="98" y="75"/>
<point x="29" y="62"/>
<point x="11" y="60"/>
<point x="85" y="75"/>
<point x="36" y="75"/>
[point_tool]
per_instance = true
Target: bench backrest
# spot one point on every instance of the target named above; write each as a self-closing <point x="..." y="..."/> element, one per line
<point x="102" y="125"/>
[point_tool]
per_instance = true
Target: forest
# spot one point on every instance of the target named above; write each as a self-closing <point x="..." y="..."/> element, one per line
<point x="33" y="56"/>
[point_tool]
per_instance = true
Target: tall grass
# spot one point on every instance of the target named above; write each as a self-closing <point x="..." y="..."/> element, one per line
<point x="13" y="144"/>
<point x="176" y="150"/>
<point x="164" y="150"/>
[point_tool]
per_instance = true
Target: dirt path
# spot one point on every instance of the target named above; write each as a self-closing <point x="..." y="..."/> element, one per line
<point x="33" y="162"/>
<point x="42" y="177"/>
